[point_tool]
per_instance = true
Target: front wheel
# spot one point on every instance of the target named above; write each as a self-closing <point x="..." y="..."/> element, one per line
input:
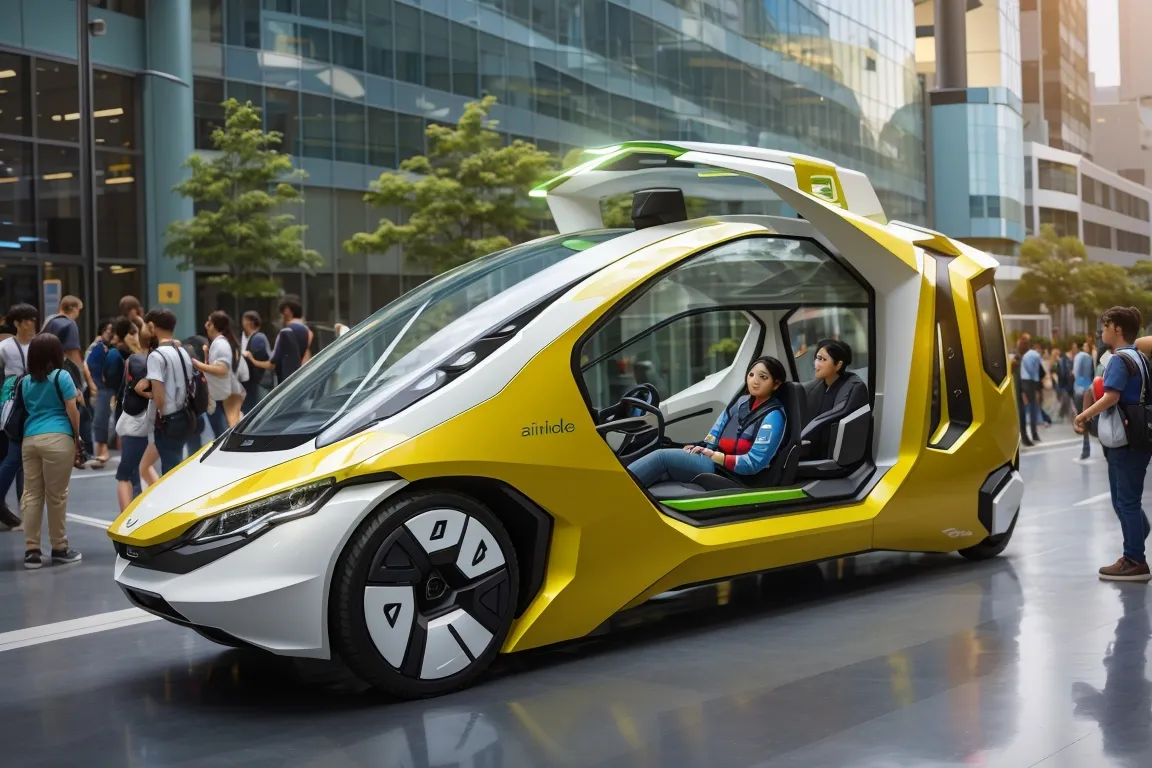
<point x="424" y="594"/>
<point x="991" y="546"/>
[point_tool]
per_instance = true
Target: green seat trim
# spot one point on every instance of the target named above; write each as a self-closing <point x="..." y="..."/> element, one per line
<point x="736" y="499"/>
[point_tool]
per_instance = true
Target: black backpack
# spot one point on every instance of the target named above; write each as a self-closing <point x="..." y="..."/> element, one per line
<point x="1137" y="416"/>
<point x="186" y="421"/>
<point x="112" y="375"/>
<point x="135" y="369"/>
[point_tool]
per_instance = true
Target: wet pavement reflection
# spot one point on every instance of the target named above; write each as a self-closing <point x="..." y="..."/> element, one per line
<point x="876" y="661"/>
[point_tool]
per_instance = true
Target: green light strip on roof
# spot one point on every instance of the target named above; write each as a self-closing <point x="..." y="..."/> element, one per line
<point x="736" y="499"/>
<point x="605" y="156"/>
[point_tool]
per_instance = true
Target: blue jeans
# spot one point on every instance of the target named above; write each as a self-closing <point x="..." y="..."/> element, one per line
<point x="131" y="452"/>
<point x="101" y="415"/>
<point x="171" y="450"/>
<point x="1033" y="392"/>
<point x="1126" y="470"/>
<point x="11" y="468"/>
<point x="217" y="420"/>
<point x="670" y="464"/>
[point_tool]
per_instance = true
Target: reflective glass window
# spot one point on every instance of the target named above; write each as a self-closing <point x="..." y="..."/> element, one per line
<point x="58" y="199"/>
<point x="409" y="60"/>
<point x="207" y="21"/>
<point x="315" y="9"/>
<point x="437" y="53"/>
<point x="57" y="101"/>
<point x="316" y="112"/>
<point x="348" y="50"/>
<point x="410" y="132"/>
<point x="492" y="55"/>
<point x="465" y="61"/>
<point x="350" y="132"/>
<point x="15" y="95"/>
<point x="208" y="96"/>
<point x="379" y="37"/>
<point x="994" y="351"/>
<point x="314" y="43"/>
<point x="382" y="137"/>
<point x="350" y="12"/>
<point x="17" y="225"/>
<point x="117" y="205"/>
<point x="282" y="114"/>
<point x="114" y="105"/>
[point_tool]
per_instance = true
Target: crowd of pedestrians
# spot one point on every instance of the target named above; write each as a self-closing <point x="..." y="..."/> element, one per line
<point x="137" y="387"/>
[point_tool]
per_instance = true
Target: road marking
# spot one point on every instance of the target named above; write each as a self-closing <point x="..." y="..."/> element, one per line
<point x="1093" y="499"/>
<point x="46" y="633"/>
<point x="84" y="474"/>
<point x="95" y="522"/>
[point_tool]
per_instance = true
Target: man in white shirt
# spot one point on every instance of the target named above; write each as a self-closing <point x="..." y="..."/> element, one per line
<point x="169" y="371"/>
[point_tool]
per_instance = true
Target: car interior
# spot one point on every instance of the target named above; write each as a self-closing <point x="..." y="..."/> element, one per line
<point x="661" y="370"/>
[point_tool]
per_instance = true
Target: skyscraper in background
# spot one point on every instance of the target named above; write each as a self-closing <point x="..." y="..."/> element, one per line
<point x="1057" y="88"/>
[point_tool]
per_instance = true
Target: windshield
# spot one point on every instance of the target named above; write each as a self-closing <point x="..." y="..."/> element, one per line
<point x="404" y="338"/>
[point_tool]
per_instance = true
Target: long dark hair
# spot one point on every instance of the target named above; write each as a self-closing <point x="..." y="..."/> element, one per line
<point x="45" y="354"/>
<point x="222" y="323"/>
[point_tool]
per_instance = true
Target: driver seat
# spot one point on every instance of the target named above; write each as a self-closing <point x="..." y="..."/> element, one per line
<point x="782" y="470"/>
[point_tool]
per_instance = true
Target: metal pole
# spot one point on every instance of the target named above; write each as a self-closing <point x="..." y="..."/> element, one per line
<point x="951" y="44"/>
<point x="88" y="242"/>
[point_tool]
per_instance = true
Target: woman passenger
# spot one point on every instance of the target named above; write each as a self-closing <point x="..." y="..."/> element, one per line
<point x="742" y="441"/>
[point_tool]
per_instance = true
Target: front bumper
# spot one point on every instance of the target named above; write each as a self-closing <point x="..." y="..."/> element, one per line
<point x="272" y="592"/>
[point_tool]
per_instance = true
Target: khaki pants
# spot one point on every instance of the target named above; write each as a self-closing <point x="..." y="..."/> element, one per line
<point x="47" y="471"/>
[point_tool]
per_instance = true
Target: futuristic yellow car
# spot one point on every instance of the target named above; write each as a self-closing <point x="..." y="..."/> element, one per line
<point x="448" y="480"/>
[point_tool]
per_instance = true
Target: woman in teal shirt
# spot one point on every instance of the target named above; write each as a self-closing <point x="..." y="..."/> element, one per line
<point x="51" y="434"/>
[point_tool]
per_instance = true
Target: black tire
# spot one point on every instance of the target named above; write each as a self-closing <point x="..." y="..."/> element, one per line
<point x="393" y="597"/>
<point x="991" y="546"/>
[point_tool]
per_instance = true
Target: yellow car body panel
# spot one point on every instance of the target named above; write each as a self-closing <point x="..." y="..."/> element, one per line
<point x="611" y="545"/>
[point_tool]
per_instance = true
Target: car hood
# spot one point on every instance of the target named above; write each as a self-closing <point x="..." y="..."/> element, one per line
<point x="206" y="485"/>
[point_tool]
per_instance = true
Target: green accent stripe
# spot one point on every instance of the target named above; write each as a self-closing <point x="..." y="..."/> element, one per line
<point x="736" y="499"/>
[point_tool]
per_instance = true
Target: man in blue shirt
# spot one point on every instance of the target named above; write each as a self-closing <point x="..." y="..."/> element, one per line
<point x="1082" y="374"/>
<point x="1126" y="467"/>
<point x="1031" y="378"/>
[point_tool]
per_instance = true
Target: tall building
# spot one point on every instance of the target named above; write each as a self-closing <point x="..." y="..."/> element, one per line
<point x="976" y="146"/>
<point x="1135" y="53"/>
<point x="1122" y="121"/>
<point x="353" y="84"/>
<point x="1057" y="88"/>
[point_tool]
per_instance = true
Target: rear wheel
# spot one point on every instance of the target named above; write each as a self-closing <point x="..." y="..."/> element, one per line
<point x="424" y="594"/>
<point x="991" y="546"/>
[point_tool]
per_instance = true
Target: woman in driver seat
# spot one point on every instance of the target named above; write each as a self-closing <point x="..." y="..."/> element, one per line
<point x="743" y="440"/>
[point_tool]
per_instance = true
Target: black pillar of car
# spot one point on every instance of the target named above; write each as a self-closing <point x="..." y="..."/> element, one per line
<point x="651" y="207"/>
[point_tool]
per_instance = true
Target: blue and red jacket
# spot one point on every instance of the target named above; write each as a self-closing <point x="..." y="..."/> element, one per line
<point x="748" y="434"/>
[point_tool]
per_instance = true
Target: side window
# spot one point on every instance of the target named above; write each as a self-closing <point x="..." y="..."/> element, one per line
<point x="993" y="350"/>
<point x="672" y="357"/>
<point x="808" y="326"/>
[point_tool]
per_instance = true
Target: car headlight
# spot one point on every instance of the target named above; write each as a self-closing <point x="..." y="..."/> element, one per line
<point x="255" y="516"/>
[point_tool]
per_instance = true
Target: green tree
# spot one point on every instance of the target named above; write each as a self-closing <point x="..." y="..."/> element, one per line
<point x="239" y="194"/>
<point x="466" y="198"/>
<point x="1051" y="263"/>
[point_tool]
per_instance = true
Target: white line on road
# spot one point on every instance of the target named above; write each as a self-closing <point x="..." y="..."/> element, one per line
<point x="1093" y="499"/>
<point x="1026" y="450"/>
<point x="46" y="633"/>
<point x="95" y="522"/>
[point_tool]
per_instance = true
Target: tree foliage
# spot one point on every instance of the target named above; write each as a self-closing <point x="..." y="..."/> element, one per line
<point x="238" y="193"/>
<point x="1058" y="273"/>
<point x="466" y="198"/>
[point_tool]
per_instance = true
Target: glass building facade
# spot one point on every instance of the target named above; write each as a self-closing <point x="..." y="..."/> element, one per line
<point x="353" y="84"/>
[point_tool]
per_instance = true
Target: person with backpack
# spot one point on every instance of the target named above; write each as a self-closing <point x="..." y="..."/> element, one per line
<point x="224" y="371"/>
<point x="50" y="448"/>
<point x="63" y="327"/>
<point x="135" y="413"/>
<point x="293" y="342"/>
<point x="102" y="402"/>
<point x="1125" y="437"/>
<point x="179" y="397"/>
<point x="1082" y="377"/>
<point x="14" y="356"/>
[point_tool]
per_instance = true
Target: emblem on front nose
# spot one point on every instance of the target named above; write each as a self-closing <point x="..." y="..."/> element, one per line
<point x="131" y="523"/>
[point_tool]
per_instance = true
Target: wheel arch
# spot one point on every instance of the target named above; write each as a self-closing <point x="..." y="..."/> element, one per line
<point x="527" y="524"/>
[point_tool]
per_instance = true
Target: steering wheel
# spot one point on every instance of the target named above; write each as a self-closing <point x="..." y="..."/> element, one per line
<point x="639" y="435"/>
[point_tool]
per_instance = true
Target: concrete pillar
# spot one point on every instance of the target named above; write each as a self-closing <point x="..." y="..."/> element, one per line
<point x="168" y="141"/>
<point x="951" y="44"/>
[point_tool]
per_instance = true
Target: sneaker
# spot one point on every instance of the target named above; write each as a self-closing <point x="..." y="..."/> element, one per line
<point x="1024" y="441"/>
<point x="9" y="518"/>
<point x="1035" y="437"/>
<point x="1125" y="570"/>
<point x="32" y="559"/>
<point x="64" y="556"/>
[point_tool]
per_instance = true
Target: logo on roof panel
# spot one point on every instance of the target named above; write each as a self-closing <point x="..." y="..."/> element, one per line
<point x="824" y="187"/>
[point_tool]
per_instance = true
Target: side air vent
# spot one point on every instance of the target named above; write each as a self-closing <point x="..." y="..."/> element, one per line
<point x="951" y="398"/>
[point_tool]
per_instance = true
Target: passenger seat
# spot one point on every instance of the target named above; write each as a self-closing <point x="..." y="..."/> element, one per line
<point x="850" y="424"/>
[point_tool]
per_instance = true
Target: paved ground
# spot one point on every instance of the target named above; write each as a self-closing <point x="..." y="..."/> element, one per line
<point x="871" y="662"/>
